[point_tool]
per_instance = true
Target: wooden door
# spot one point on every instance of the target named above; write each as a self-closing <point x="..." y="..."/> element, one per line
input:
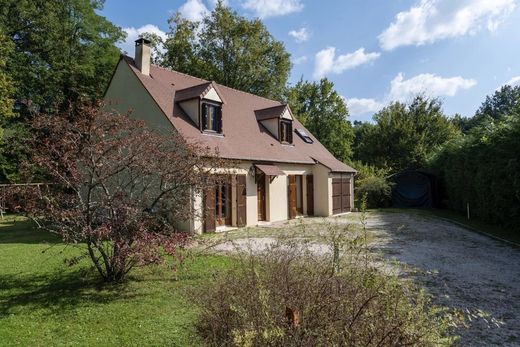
<point x="209" y="210"/>
<point x="345" y="194"/>
<point x="336" y="195"/>
<point x="241" y="194"/>
<point x="260" y="194"/>
<point x="291" y="191"/>
<point x="310" y="195"/>
<point x="341" y="194"/>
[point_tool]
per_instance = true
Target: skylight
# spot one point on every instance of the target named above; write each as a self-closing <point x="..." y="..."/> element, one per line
<point x="304" y="136"/>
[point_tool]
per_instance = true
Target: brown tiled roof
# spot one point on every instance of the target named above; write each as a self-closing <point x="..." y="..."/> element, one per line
<point x="244" y="137"/>
<point x="270" y="112"/>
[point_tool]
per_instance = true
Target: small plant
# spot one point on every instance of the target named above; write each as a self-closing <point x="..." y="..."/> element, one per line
<point x="293" y="295"/>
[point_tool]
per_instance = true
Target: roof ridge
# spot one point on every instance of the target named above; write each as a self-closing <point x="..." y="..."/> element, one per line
<point x="218" y="84"/>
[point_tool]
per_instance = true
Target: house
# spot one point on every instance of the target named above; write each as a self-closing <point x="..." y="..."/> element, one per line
<point x="282" y="170"/>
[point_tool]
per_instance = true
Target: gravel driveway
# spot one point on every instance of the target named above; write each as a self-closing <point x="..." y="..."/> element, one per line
<point x="459" y="268"/>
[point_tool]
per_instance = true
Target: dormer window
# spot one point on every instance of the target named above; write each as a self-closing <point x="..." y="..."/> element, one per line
<point x="203" y="105"/>
<point x="278" y="120"/>
<point x="211" y="117"/>
<point x="286" y="131"/>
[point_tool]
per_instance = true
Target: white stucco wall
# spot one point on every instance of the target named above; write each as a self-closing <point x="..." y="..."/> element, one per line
<point x="127" y="93"/>
<point x="322" y="191"/>
<point x="272" y="126"/>
<point x="212" y="95"/>
<point x="191" y="108"/>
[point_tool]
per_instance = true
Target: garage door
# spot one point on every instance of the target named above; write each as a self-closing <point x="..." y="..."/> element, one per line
<point x="341" y="194"/>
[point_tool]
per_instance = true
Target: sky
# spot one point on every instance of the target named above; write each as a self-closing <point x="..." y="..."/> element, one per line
<point x="373" y="51"/>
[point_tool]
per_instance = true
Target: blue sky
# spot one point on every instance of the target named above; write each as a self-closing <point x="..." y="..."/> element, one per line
<point x="374" y="51"/>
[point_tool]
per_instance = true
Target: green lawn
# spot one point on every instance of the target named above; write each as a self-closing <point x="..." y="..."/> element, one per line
<point x="474" y="224"/>
<point x="45" y="302"/>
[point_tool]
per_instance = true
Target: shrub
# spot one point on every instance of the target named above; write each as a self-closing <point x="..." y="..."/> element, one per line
<point x="372" y="183"/>
<point x="291" y="296"/>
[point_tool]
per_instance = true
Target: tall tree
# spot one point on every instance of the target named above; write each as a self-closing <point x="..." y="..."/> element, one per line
<point x="405" y="135"/>
<point x="7" y="89"/>
<point x="64" y="51"/>
<point x="502" y="103"/>
<point x="229" y="49"/>
<point x="324" y="112"/>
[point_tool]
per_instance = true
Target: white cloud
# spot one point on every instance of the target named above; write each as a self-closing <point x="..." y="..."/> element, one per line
<point x="428" y="84"/>
<point x="432" y="20"/>
<point x="272" y="8"/>
<point x="403" y="90"/>
<point x="299" y="60"/>
<point x="327" y="62"/>
<point x="132" y="34"/>
<point x="300" y="35"/>
<point x="362" y="106"/>
<point x="513" y="82"/>
<point x="194" y="10"/>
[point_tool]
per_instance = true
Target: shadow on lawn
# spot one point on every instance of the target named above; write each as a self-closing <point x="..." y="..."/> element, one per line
<point x="24" y="231"/>
<point x="57" y="292"/>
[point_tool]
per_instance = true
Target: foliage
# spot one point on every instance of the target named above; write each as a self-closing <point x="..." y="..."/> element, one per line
<point x="405" y="136"/>
<point x="503" y="102"/>
<point x="117" y="187"/>
<point x="323" y="111"/>
<point x="290" y="296"/>
<point x="371" y="183"/>
<point x="229" y="49"/>
<point x="482" y="168"/>
<point x="15" y="154"/>
<point x="7" y="88"/>
<point x="64" y="51"/>
<point x="39" y="292"/>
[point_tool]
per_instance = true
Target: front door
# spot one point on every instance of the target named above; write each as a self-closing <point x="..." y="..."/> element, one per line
<point x="260" y="194"/>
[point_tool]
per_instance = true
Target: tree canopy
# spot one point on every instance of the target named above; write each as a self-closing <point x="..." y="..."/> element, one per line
<point x="404" y="136"/>
<point x="229" y="49"/>
<point x="64" y="51"/>
<point x="324" y="112"/>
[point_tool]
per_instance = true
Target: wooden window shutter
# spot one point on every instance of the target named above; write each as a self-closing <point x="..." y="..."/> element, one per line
<point x="289" y="132"/>
<point x="219" y="120"/>
<point x="209" y="210"/>
<point x="241" y="195"/>
<point x="204" y="117"/>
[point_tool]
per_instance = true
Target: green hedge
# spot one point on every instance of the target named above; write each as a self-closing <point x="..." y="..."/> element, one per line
<point x="483" y="169"/>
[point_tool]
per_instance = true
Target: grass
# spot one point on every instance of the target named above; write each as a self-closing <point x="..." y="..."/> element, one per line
<point x="45" y="302"/>
<point x="475" y="224"/>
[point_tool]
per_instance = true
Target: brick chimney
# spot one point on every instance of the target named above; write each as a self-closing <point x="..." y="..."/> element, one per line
<point x="142" y="55"/>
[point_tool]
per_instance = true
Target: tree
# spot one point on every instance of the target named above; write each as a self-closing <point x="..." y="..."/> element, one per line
<point x="7" y="88"/>
<point x="405" y="135"/>
<point x="502" y="103"/>
<point x="64" y="51"/>
<point x="117" y="187"/>
<point x="9" y="131"/>
<point x="324" y="112"/>
<point x="229" y="49"/>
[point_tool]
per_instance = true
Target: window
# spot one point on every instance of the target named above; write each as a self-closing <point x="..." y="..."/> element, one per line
<point x="304" y="136"/>
<point x="285" y="131"/>
<point x="211" y="118"/>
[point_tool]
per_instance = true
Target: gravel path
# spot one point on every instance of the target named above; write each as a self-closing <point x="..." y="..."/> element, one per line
<point x="459" y="268"/>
